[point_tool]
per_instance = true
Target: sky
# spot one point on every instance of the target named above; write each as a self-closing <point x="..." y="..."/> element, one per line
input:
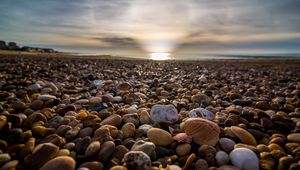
<point x="140" y="27"/>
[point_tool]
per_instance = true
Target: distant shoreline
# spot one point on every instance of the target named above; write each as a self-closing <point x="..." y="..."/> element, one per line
<point x="222" y="59"/>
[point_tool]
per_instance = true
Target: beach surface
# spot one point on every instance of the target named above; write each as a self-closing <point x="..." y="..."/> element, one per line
<point x="60" y="111"/>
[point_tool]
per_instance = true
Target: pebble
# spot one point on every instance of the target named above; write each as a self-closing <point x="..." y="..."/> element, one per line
<point x="92" y="165"/>
<point x="226" y="144"/>
<point x="38" y="156"/>
<point x="4" y="157"/>
<point x="244" y="158"/>
<point x="161" y="113"/>
<point x="222" y="158"/>
<point x="105" y="151"/>
<point x="144" y="146"/>
<point x="203" y="131"/>
<point x="183" y="149"/>
<point x="114" y="120"/>
<point x="10" y="165"/>
<point x="92" y="149"/>
<point x="128" y="130"/>
<point x="244" y="135"/>
<point x="45" y="97"/>
<point x="294" y="137"/>
<point x="159" y="137"/>
<point x="137" y="160"/>
<point x="60" y="163"/>
<point x="201" y="164"/>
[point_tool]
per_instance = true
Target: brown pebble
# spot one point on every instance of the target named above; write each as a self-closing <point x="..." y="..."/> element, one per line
<point x="114" y="120"/>
<point x="92" y="165"/>
<point x="244" y="135"/>
<point x="106" y="149"/>
<point x="183" y="149"/>
<point x="60" y="163"/>
<point x="201" y="164"/>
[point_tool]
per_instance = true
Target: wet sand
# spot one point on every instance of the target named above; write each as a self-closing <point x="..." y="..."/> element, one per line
<point x="88" y="112"/>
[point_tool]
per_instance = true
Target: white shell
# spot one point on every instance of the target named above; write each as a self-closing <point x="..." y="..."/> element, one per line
<point x="201" y="112"/>
<point x="244" y="158"/>
<point x="160" y="113"/>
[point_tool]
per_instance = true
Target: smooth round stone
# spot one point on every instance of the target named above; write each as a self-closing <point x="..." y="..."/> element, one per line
<point x="162" y="113"/>
<point x="244" y="135"/>
<point x="124" y="86"/>
<point x="45" y="97"/>
<point x="144" y="117"/>
<point x="60" y="163"/>
<point x="4" y="157"/>
<point x="226" y="144"/>
<point x="63" y="152"/>
<point x="36" y="105"/>
<point x="200" y="98"/>
<point x="35" y="87"/>
<point x="38" y="156"/>
<point x="204" y="132"/>
<point x="201" y="164"/>
<point x="87" y="131"/>
<point x="137" y="160"/>
<point x="144" y="146"/>
<point x="228" y="167"/>
<point x="95" y="100"/>
<point x="222" y="158"/>
<point x="114" y="120"/>
<point x="159" y="137"/>
<point x="92" y="165"/>
<point x="118" y="167"/>
<point x="183" y="149"/>
<point x="92" y="149"/>
<point x="106" y="149"/>
<point x="128" y="130"/>
<point x="3" y="120"/>
<point x="244" y="158"/>
<point x="294" y="137"/>
<point x="202" y="113"/>
<point x="10" y="165"/>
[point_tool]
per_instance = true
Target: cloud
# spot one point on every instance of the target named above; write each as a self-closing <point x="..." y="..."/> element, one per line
<point x="118" y="41"/>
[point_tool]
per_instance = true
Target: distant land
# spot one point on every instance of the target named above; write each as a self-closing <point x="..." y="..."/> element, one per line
<point x="12" y="46"/>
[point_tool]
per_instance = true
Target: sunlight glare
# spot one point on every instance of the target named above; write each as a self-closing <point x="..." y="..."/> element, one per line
<point x="159" y="56"/>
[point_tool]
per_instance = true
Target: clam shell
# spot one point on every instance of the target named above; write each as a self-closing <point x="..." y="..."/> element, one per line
<point x="204" y="132"/>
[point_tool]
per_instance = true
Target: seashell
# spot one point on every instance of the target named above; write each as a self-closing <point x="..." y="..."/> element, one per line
<point x="202" y="131"/>
<point x="162" y="113"/>
<point x="202" y="113"/>
<point x="137" y="160"/>
<point x="244" y="135"/>
<point x="128" y="130"/>
<point x="183" y="137"/>
<point x="114" y="120"/>
<point x="38" y="156"/>
<point x="60" y="163"/>
<point x="159" y="137"/>
<point x="146" y="147"/>
<point x="244" y="158"/>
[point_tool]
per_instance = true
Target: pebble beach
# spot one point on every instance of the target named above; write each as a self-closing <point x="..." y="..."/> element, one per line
<point x="68" y="113"/>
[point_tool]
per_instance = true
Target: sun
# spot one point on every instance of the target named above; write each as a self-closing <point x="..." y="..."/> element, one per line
<point x="159" y="56"/>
